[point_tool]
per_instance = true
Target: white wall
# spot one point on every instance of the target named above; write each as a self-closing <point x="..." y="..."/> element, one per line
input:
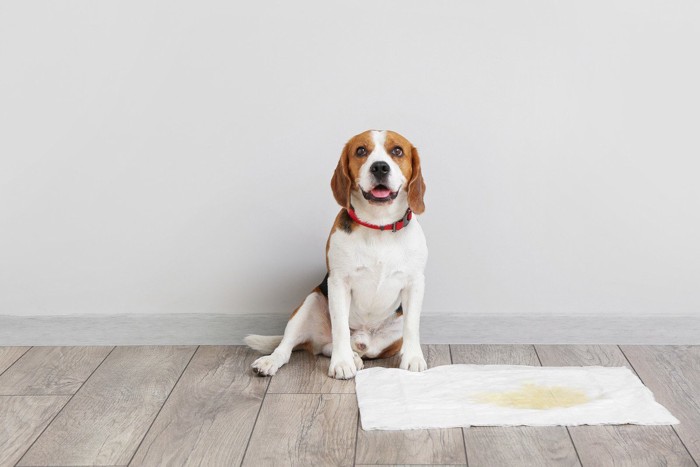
<point x="176" y="156"/>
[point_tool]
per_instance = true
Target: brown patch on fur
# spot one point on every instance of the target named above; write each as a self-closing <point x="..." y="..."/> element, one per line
<point x="341" y="183"/>
<point x="348" y="169"/>
<point x="392" y="349"/>
<point x="344" y="222"/>
<point x="308" y="346"/>
<point x="416" y="185"/>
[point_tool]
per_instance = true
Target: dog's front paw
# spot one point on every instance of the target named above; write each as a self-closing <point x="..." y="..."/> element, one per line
<point x="342" y="368"/>
<point x="413" y="362"/>
<point x="265" y="366"/>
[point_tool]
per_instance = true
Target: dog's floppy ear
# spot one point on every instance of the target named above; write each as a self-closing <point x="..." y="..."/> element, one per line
<point x="416" y="186"/>
<point x="341" y="183"/>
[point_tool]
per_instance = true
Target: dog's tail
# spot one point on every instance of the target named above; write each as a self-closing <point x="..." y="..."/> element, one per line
<point x="263" y="344"/>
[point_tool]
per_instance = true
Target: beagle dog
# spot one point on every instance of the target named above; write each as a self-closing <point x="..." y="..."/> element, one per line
<point x="369" y="303"/>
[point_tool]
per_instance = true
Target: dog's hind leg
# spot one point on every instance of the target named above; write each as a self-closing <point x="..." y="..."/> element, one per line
<point x="308" y="328"/>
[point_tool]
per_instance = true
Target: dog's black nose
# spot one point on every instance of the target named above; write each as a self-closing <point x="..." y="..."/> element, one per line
<point x="379" y="169"/>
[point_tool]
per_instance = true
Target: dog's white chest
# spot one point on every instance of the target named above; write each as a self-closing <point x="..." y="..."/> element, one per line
<point x="377" y="280"/>
<point x="377" y="267"/>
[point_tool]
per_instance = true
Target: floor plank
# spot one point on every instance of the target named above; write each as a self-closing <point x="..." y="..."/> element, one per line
<point x="9" y="355"/>
<point x="442" y="446"/>
<point x="209" y="417"/>
<point x="105" y="421"/>
<point x="511" y="446"/>
<point x="52" y="370"/>
<point x="625" y="445"/>
<point x="581" y="355"/>
<point x="673" y="374"/>
<point x="23" y="419"/>
<point x="304" y="429"/>
<point x="494" y="354"/>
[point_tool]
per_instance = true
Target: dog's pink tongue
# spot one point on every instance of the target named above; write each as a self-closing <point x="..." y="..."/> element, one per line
<point x="380" y="192"/>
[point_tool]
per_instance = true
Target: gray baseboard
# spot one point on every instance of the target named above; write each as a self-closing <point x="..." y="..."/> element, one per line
<point x="220" y="329"/>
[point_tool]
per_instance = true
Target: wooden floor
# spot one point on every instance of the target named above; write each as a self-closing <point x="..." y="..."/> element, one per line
<point x="188" y="405"/>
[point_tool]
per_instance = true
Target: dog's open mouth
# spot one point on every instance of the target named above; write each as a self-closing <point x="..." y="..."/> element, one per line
<point x="380" y="193"/>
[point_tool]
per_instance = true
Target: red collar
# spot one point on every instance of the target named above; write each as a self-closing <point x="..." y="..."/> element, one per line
<point x="398" y="225"/>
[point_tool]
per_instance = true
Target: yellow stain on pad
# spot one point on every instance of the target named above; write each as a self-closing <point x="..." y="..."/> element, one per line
<point x="533" y="396"/>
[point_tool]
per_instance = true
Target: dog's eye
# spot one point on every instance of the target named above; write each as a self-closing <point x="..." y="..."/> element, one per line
<point x="361" y="151"/>
<point x="397" y="151"/>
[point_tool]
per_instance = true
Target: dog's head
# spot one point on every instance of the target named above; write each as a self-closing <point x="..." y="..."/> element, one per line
<point x="380" y="168"/>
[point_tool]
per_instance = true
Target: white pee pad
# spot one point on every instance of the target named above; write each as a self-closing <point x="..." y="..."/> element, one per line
<point x="504" y="395"/>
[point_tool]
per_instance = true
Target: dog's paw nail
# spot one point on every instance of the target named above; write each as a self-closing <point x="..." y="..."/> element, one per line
<point x="265" y="366"/>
